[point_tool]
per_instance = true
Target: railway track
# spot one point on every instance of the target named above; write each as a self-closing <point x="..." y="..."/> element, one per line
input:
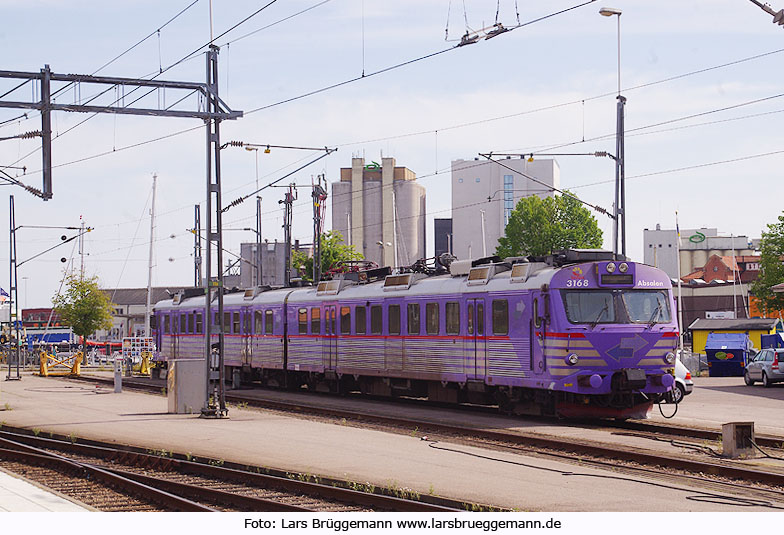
<point x="260" y="401"/>
<point x="113" y="479"/>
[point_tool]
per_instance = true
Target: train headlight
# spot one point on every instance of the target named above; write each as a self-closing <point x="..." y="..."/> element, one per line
<point x="669" y="358"/>
<point x="623" y="267"/>
<point x="572" y="359"/>
<point x="610" y="267"/>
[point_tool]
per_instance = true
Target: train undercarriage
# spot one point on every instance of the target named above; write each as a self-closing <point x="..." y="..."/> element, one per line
<point x="621" y="404"/>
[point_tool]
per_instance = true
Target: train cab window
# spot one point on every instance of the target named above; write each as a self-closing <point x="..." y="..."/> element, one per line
<point x="375" y="319"/>
<point x="302" y="320"/>
<point x="258" y="317"/>
<point x="431" y="318"/>
<point x="360" y="319"/>
<point x="500" y="316"/>
<point x="315" y="320"/>
<point x="268" y="321"/>
<point x="394" y="319"/>
<point x="345" y="320"/>
<point x="166" y="328"/>
<point x="183" y="323"/>
<point x="413" y="318"/>
<point x="199" y="325"/>
<point x="453" y="318"/>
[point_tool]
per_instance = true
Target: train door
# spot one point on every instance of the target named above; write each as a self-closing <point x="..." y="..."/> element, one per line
<point x="476" y="340"/>
<point x="174" y="324"/>
<point x="246" y="317"/>
<point x="538" y="332"/>
<point x="329" y="342"/>
<point x="393" y="343"/>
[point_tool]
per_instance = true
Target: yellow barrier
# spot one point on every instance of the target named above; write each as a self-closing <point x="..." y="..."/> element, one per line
<point x="73" y="361"/>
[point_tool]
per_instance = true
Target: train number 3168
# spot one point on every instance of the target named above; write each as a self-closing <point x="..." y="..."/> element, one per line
<point x="577" y="283"/>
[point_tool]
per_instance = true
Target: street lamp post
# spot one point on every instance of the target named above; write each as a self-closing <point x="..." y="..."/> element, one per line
<point x="619" y="208"/>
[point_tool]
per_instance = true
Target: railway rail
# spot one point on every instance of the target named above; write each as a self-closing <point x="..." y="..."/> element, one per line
<point x="711" y="466"/>
<point x="241" y="396"/>
<point x="116" y="479"/>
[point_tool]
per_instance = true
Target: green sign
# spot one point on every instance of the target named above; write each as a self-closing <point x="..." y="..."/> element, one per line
<point x="697" y="237"/>
<point x="373" y="166"/>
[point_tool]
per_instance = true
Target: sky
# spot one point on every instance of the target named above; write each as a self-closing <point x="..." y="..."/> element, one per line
<point x="703" y="82"/>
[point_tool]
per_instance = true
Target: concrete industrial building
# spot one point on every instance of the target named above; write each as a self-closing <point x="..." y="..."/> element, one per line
<point x="380" y="210"/>
<point x="484" y="194"/>
<point x="442" y="236"/>
<point x="697" y="246"/>
<point x="273" y="264"/>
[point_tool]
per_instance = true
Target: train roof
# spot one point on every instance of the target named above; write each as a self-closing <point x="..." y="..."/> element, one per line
<point x="496" y="280"/>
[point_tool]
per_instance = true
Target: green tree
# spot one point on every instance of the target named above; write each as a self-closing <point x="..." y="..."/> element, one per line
<point x="540" y="226"/>
<point x="83" y="305"/>
<point x="333" y="253"/>
<point x="771" y="270"/>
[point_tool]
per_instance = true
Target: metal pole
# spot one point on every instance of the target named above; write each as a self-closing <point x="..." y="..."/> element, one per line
<point x="622" y="170"/>
<point x="258" y="241"/>
<point x="149" y="262"/>
<point x="46" y="132"/>
<point x="13" y="306"/>
<point x="197" y="281"/>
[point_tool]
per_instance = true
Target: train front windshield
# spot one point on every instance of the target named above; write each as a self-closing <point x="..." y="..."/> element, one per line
<point x="616" y="306"/>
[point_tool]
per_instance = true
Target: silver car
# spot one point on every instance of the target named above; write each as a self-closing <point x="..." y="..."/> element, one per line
<point x="764" y="367"/>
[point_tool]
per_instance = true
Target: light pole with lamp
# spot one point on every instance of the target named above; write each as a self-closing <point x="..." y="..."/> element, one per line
<point x="619" y="208"/>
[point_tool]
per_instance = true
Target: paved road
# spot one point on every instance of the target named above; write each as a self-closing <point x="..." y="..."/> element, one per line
<point x="719" y="400"/>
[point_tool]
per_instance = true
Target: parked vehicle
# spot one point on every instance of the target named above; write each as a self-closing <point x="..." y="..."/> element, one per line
<point x="683" y="383"/>
<point x="764" y="367"/>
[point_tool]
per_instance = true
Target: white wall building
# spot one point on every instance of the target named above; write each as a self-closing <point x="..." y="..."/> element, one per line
<point x="660" y="248"/>
<point x="385" y="210"/>
<point x="484" y="194"/>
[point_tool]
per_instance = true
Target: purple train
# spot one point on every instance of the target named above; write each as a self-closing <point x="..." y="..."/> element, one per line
<point x="574" y="335"/>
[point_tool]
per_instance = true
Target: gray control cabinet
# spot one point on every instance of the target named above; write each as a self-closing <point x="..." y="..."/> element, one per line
<point x="186" y="386"/>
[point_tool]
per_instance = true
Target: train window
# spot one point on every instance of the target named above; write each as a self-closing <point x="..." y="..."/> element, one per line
<point x="394" y="319"/>
<point x="315" y="320"/>
<point x="153" y="321"/>
<point x="360" y="319"/>
<point x="166" y="324"/>
<point x="236" y="323"/>
<point x="375" y="319"/>
<point x="227" y="322"/>
<point x="259" y="320"/>
<point x="470" y="318"/>
<point x="480" y="318"/>
<point x="247" y="323"/>
<point x="199" y="325"/>
<point x="190" y="323"/>
<point x="500" y="316"/>
<point x="413" y="318"/>
<point x="302" y="319"/>
<point x="214" y="318"/>
<point x="183" y="323"/>
<point x="268" y="321"/>
<point x="453" y="318"/>
<point x="431" y="318"/>
<point x="345" y="320"/>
